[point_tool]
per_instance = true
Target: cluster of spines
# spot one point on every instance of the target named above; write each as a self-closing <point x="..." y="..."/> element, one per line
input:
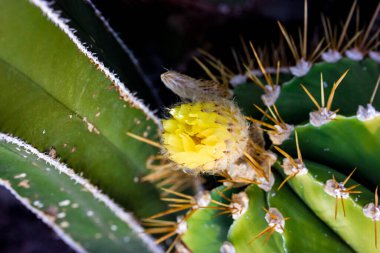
<point x="292" y="167"/>
<point x="330" y="48"/>
<point x="279" y="131"/>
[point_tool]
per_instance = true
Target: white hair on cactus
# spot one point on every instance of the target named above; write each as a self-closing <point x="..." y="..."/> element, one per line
<point x="375" y="56"/>
<point x="354" y="54"/>
<point x="366" y="113"/>
<point x="331" y="56"/>
<point x="275" y="220"/>
<point x="227" y="247"/>
<point x="62" y="168"/>
<point x="55" y="17"/>
<point x="301" y="68"/>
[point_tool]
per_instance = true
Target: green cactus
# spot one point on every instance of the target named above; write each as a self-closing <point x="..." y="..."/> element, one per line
<point x="332" y="104"/>
<point x="286" y="161"/>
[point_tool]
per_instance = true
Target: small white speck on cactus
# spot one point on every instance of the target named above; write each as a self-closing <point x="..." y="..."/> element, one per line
<point x="336" y="190"/>
<point x="272" y="92"/>
<point x="291" y="169"/>
<point x="375" y="56"/>
<point x="321" y="117"/>
<point x="301" y="68"/>
<point x="281" y="134"/>
<point x="266" y="184"/>
<point x="227" y="247"/>
<point x="240" y="204"/>
<point x="181" y="225"/>
<point x="371" y="211"/>
<point x="354" y="54"/>
<point x="331" y="56"/>
<point x="275" y="220"/>
<point x="238" y="79"/>
<point x="203" y="199"/>
<point x="366" y="113"/>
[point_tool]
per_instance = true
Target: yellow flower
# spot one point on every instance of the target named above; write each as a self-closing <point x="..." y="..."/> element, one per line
<point x="205" y="136"/>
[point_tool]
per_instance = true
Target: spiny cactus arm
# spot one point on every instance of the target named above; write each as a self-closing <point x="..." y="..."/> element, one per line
<point x="275" y="222"/>
<point x="294" y="104"/>
<point x="57" y="94"/>
<point x="344" y="144"/>
<point x="205" y="228"/>
<point x="356" y="89"/>
<point x="76" y="210"/>
<point x="30" y="112"/>
<point x="354" y="227"/>
<point x="244" y="231"/>
<point x="301" y="221"/>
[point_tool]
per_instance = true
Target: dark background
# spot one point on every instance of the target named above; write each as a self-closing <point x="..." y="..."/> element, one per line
<point x="166" y="34"/>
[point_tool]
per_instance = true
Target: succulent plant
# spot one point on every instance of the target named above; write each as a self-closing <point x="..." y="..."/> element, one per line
<point x="252" y="160"/>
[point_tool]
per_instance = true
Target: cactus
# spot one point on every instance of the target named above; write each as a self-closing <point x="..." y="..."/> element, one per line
<point x="285" y="161"/>
<point x="306" y="179"/>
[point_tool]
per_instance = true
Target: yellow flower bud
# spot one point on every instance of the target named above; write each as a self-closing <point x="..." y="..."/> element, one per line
<point x="205" y="136"/>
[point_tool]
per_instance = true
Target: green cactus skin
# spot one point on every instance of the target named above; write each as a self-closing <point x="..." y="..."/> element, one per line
<point x="302" y="221"/>
<point x="205" y="228"/>
<point x="294" y="105"/>
<point x="249" y="225"/>
<point x="344" y="144"/>
<point x="55" y="96"/>
<point x="75" y="209"/>
<point x="332" y="143"/>
<point x="355" y="228"/>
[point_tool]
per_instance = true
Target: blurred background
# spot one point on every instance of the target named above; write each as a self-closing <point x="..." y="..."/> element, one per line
<point x="166" y="34"/>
